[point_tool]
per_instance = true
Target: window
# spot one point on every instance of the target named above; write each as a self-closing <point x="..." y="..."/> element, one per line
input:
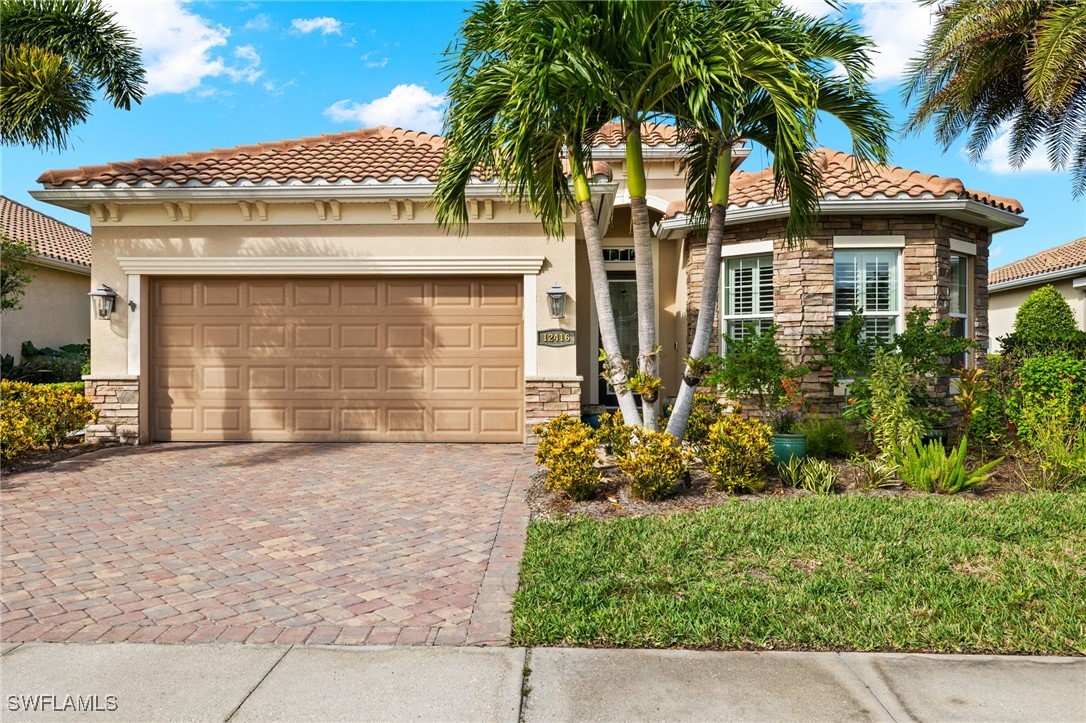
<point x="959" y="303"/>
<point x="626" y="254"/>
<point x="868" y="281"/>
<point x="748" y="295"/>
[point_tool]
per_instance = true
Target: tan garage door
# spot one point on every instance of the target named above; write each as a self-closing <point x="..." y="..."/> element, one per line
<point x="337" y="359"/>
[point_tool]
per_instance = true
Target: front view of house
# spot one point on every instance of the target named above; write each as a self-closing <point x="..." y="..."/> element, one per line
<point x="302" y="290"/>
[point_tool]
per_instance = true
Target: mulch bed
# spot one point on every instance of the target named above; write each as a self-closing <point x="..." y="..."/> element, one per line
<point x="613" y="498"/>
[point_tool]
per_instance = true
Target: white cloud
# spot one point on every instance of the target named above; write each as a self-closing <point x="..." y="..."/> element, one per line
<point x="996" y="158"/>
<point x="177" y="46"/>
<point x="408" y="106"/>
<point x="899" y="30"/>
<point x="818" y="8"/>
<point x="996" y="252"/>
<point x="326" y="25"/>
<point x="371" y="62"/>
<point x="278" y="89"/>
<point x="259" y="22"/>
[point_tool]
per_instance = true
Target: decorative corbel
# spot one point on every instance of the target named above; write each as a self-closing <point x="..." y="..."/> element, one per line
<point x="99" y="211"/>
<point x="322" y="210"/>
<point x="246" y="210"/>
<point x="488" y="208"/>
<point x="409" y="209"/>
<point x="473" y="209"/>
<point x="261" y="210"/>
<point x="337" y="210"/>
<point x="394" y="209"/>
<point x="171" y="209"/>
<point x="114" y="210"/>
<point x="186" y="210"/>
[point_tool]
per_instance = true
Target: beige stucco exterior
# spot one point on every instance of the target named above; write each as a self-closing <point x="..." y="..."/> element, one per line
<point x="55" y="311"/>
<point x="1004" y="303"/>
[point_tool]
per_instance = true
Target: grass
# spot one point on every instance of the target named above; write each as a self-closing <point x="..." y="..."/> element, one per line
<point x="851" y="572"/>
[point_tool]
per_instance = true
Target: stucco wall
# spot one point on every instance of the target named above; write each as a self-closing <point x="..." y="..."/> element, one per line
<point x="366" y="230"/>
<point x="56" y="311"/>
<point x="1004" y="306"/>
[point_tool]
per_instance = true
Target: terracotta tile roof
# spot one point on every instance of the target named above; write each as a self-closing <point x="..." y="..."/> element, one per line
<point x="50" y="238"/>
<point x="370" y="154"/>
<point x="1067" y="256"/>
<point x="652" y="134"/>
<point x="840" y="180"/>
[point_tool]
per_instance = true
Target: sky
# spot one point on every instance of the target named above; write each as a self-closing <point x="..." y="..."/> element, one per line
<point x="226" y="73"/>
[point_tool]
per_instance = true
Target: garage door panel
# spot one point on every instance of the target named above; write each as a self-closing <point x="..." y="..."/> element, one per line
<point x="337" y="360"/>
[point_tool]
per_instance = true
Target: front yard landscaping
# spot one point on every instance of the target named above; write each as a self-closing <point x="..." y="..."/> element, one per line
<point x="849" y="572"/>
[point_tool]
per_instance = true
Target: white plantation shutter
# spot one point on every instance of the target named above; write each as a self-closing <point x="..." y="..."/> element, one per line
<point x="748" y="294"/>
<point x="868" y="280"/>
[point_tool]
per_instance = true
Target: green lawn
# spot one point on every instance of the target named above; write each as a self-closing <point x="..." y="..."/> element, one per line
<point x="849" y="572"/>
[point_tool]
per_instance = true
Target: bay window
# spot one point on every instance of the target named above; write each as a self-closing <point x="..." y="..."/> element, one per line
<point x="959" y="302"/>
<point x="748" y="295"/>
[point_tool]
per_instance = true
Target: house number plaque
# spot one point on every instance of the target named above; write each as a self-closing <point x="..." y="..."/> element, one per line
<point x="557" y="337"/>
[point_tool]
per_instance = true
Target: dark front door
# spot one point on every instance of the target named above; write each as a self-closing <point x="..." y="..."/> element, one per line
<point x="624" y="303"/>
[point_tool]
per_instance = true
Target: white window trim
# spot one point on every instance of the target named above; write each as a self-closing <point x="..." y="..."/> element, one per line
<point x="751" y="248"/>
<point x="859" y="243"/>
<point x="754" y="249"/>
<point x="962" y="248"/>
<point x="332" y="265"/>
<point x="881" y="242"/>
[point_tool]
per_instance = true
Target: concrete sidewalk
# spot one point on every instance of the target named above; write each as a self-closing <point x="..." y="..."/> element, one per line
<point x="267" y="683"/>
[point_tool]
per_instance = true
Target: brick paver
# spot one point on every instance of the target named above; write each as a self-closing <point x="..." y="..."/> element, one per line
<point x="266" y="543"/>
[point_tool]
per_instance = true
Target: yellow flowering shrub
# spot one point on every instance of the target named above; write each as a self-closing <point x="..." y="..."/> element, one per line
<point x="614" y="434"/>
<point x="654" y="463"/>
<point x="736" y="451"/>
<point x="568" y="449"/>
<point x="39" y="415"/>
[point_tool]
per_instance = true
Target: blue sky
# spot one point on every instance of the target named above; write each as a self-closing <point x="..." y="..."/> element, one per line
<point x="228" y="73"/>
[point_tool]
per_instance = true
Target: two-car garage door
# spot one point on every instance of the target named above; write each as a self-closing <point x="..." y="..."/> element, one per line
<point x="350" y="359"/>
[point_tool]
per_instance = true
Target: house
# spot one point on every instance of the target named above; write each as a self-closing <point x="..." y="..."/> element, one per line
<point x="54" y="305"/>
<point x="301" y="290"/>
<point x="1064" y="267"/>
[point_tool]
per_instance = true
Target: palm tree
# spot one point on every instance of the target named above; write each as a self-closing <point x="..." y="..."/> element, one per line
<point x="991" y="65"/>
<point x="55" y="55"/>
<point x="801" y="45"/>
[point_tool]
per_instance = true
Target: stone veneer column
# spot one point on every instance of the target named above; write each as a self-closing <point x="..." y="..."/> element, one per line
<point x="547" y="397"/>
<point x="117" y="400"/>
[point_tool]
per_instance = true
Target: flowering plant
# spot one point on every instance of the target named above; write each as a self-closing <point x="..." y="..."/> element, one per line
<point x="785" y="415"/>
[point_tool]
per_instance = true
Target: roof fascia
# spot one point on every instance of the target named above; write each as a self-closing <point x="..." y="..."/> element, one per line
<point x="60" y="265"/>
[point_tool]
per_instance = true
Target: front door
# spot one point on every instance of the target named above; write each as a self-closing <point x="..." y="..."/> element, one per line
<point x="623" y="289"/>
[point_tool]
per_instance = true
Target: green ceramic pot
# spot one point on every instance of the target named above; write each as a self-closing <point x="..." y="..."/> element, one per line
<point x="787" y="446"/>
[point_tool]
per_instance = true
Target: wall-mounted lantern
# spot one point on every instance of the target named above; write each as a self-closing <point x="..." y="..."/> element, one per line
<point x="103" y="299"/>
<point x="556" y="299"/>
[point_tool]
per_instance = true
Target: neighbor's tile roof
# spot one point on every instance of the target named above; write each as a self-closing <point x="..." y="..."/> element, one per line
<point x="48" y="237"/>
<point x="1067" y="256"/>
<point x="652" y="134"/>
<point x="840" y="180"/>
<point x="371" y="154"/>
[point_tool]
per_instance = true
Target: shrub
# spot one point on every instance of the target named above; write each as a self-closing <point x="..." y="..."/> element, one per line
<point x="39" y="415"/>
<point x="874" y="472"/>
<point x="753" y="367"/>
<point x="893" y="423"/>
<point x="928" y="468"/>
<point x="1053" y="436"/>
<point x="816" y="475"/>
<point x="614" y="434"/>
<point x="1045" y="313"/>
<point x="827" y="438"/>
<point x="706" y="409"/>
<point x="654" y="464"/>
<point x="1042" y="379"/>
<point x="568" y="449"/>
<point x="42" y="366"/>
<point x="735" y="453"/>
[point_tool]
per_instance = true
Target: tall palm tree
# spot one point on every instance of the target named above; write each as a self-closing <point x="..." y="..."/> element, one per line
<point x="991" y="65"/>
<point x="748" y="112"/>
<point x="55" y="54"/>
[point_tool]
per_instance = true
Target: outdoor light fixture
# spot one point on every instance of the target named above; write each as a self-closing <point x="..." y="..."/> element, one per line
<point x="556" y="299"/>
<point x="103" y="299"/>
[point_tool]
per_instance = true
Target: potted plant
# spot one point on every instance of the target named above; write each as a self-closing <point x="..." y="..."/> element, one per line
<point x="590" y="414"/>
<point x="788" y="441"/>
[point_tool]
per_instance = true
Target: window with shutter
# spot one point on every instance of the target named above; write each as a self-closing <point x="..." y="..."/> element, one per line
<point x="748" y="295"/>
<point x="867" y="281"/>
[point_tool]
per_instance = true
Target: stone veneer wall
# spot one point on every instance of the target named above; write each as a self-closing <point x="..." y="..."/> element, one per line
<point x="547" y="397"/>
<point x="117" y="400"/>
<point x="803" y="280"/>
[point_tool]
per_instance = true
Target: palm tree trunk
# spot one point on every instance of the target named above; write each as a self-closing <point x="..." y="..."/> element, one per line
<point x="602" y="293"/>
<point x="710" y="292"/>
<point x="646" y="294"/>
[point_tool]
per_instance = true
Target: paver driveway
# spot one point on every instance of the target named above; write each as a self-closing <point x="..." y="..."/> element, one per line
<point x="298" y="543"/>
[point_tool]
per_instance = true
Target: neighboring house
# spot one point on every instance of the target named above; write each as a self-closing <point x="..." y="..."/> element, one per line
<point x="1064" y="267"/>
<point x="54" y="309"/>
<point x="301" y="290"/>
